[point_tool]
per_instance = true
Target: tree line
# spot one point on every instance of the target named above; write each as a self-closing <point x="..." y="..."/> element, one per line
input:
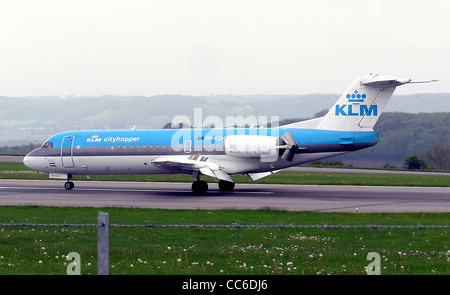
<point x="419" y="141"/>
<point x="20" y="150"/>
<point x="437" y="157"/>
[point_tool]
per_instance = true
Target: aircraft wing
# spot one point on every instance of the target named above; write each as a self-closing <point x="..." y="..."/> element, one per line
<point x="182" y="164"/>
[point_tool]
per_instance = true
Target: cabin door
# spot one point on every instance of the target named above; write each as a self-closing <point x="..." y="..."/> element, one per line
<point x="67" y="152"/>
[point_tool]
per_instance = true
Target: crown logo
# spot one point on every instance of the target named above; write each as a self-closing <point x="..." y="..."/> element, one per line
<point x="356" y="97"/>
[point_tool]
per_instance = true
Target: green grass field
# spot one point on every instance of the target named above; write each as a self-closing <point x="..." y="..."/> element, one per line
<point x="42" y="250"/>
<point x="20" y="171"/>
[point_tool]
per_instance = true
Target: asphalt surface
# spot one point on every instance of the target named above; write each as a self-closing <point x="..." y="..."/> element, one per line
<point x="19" y="159"/>
<point x="325" y="198"/>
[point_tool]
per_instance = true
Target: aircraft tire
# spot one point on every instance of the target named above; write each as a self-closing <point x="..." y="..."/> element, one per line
<point x="69" y="185"/>
<point x="200" y="187"/>
<point x="226" y="186"/>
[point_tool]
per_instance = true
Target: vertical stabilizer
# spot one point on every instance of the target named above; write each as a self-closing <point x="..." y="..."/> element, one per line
<point x="361" y="104"/>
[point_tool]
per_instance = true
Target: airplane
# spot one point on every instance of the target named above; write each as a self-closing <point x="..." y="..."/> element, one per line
<point x="221" y="152"/>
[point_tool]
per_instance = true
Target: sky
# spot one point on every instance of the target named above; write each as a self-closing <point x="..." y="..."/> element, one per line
<point x="205" y="47"/>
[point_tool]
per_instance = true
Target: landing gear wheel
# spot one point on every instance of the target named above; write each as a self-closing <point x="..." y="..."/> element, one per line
<point x="69" y="185"/>
<point x="226" y="186"/>
<point x="200" y="187"/>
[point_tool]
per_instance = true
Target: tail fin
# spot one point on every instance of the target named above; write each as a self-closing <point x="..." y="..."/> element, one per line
<point x="362" y="103"/>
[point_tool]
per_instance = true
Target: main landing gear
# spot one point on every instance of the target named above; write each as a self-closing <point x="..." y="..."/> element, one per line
<point x="201" y="186"/>
<point x="226" y="186"/>
<point x="69" y="184"/>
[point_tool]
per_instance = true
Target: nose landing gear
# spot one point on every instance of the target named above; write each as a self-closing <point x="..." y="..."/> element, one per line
<point x="69" y="184"/>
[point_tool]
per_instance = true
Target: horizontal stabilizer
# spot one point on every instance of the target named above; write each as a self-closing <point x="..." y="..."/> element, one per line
<point x="383" y="81"/>
<point x="422" y="81"/>
<point x="389" y="81"/>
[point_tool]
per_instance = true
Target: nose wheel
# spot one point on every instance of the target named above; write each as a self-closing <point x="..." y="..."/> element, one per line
<point x="69" y="185"/>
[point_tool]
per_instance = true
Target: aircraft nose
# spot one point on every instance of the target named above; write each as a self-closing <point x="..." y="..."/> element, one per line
<point x="28" y="161"/>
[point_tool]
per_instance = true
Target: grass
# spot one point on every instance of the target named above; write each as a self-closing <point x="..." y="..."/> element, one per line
<point x="20" y="171"/>
<point x="42" y="250"/>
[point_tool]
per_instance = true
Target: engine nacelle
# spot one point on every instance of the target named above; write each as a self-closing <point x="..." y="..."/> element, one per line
<point x="252" y="146"/>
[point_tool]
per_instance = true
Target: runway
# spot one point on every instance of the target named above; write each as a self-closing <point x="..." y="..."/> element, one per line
<point x="324" y="198"/>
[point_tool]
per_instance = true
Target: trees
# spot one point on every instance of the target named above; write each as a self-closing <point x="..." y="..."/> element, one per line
<point x="403" y="134"/>
<point x="437" y="156"/>
<point x="18" y="149"/>
<point x="414" y="162"/>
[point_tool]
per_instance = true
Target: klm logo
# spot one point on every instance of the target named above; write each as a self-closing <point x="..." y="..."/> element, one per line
<point x="356" y="110"/>
<point x="356" y="97"/>
<point x="348" y="110"/>
<point x="94" y="138"/>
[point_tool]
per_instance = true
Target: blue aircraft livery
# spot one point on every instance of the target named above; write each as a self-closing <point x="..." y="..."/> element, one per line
<point x="221" y="152"/>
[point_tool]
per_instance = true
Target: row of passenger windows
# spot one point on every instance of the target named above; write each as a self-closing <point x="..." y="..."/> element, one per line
<point x="124" y="146"/>
<point x="133" y="146"/>
<point x="49" y="145"/>
<point x="128" y="147"/>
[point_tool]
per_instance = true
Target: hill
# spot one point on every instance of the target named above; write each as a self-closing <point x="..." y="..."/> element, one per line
<point x="34" y="119"/>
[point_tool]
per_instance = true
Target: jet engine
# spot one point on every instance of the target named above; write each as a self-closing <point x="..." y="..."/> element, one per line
<point x="268" y="147"/>
<point x="251" y="146"/>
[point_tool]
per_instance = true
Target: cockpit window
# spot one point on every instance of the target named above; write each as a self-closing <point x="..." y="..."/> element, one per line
<point x="47" y="145"/>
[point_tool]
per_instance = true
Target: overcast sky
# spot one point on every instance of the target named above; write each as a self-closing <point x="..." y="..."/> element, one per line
<point x="204" y="47"/>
